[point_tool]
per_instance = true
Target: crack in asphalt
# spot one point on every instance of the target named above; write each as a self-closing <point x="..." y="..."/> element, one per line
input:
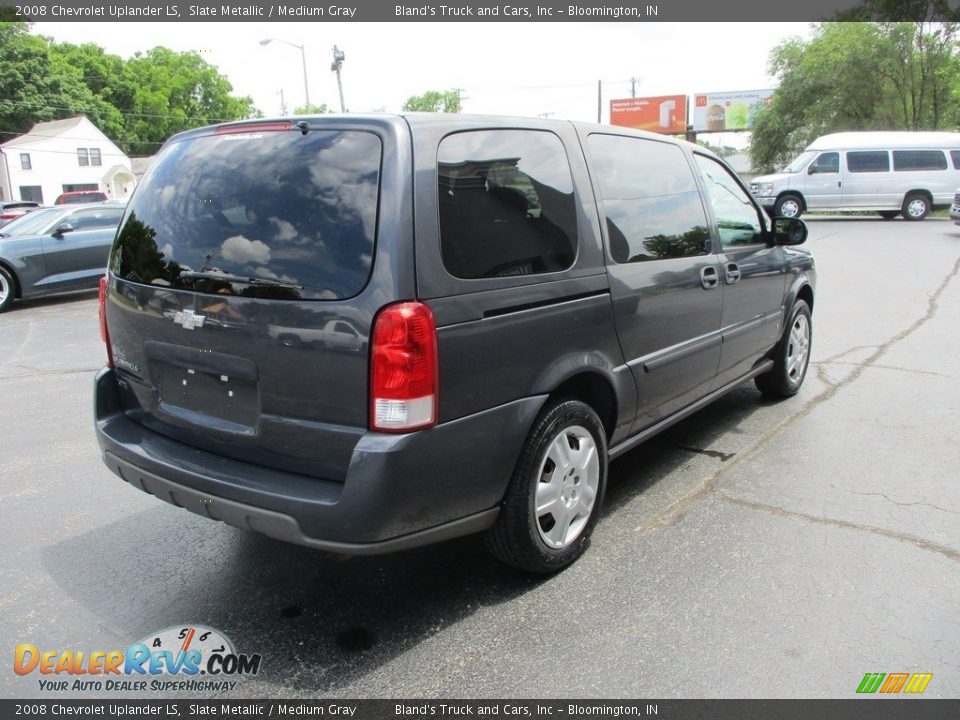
<point x="676" y="509"/>
<point x="905" y="504"/>
<point x="919" y="542"/>
<point x="888" y="367"/>
<point x="37" y="372"/>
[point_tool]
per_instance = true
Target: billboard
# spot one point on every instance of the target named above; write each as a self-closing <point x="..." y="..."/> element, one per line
<point x="663" y="114"/>
<point x="715" y="112"/>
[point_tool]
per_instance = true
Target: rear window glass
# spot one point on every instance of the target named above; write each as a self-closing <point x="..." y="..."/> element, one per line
<point x="868" y="161"/>
<point x="506" y="204"/>
<point x="273" y="214"/>
<point x="919" y="160"/>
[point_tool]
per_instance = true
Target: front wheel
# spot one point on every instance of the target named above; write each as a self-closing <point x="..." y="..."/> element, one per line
<point x="791" y="356"/>
<point x="554" y="496"/>
<point x="788" y="206"/>
<point x="7" y="289"/>
<point x="916" y="207"/>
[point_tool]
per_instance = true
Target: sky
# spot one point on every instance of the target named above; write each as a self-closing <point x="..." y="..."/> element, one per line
<point x="526" y="69"/>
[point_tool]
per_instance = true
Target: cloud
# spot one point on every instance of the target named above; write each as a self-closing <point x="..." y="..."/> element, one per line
<point x="241" y="250"/>
<point x="271" y="275"/>
<point x="283" y="230"/>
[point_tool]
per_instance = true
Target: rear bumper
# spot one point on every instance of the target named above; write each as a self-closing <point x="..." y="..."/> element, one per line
<point x="400" y="491"/>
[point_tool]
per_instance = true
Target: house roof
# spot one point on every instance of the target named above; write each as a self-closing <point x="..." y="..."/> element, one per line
<point x="45" y="129"/>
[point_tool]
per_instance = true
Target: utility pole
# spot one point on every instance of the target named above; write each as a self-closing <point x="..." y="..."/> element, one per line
<point x="633" y="86"/>
<point x="303" y="56"/>
<point x="338" y="58"/>
<point x="283" y="103"/>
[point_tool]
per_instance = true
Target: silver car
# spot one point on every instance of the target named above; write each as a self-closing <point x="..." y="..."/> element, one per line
<point x="54" y="250"/>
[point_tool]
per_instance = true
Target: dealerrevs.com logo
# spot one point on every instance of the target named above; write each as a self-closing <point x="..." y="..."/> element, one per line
<point x="189" y="658"/>
<point x="893" y="683"/>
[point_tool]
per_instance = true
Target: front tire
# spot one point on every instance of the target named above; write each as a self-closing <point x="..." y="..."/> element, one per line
<point x="554" y="497"/>
<point x="8" y="289"/>
<point x="788" y="206"/>
<point x="916" y="206"/>
<point x="791" y="357"/>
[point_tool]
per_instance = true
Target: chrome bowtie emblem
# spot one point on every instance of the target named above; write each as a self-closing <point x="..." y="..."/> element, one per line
<point x="189" y="319"/>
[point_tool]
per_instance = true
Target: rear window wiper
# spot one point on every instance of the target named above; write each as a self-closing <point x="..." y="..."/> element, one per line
<point x="267" y="282"/>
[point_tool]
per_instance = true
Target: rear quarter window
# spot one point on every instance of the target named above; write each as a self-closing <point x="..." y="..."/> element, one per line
<point x="506" y="204"/>
<point x="292" y="214"/>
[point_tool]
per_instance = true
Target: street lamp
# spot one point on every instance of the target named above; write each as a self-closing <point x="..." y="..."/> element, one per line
<point x="338" y="58"/>
<point x="306" y="87"/>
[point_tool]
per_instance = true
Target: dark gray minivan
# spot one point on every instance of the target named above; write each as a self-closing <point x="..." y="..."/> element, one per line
<point x="364" y="334"/>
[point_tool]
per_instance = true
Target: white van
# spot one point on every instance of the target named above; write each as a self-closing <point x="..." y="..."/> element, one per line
<point x="891" y="173"/>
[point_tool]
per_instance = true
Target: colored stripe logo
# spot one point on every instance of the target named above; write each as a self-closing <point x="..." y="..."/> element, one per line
<point x="893" y="683"/>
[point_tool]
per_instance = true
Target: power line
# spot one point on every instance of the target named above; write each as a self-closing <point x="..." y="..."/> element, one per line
<point x="41" y="104"/>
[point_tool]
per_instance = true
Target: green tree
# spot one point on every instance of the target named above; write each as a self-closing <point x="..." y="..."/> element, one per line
<point x="174" y="92"/>
<point x="858" y="76"/>
<point x="312" y="109"/>
<point x="137" y="103"/>
<point x="37" y="84"/>
<point x="434" y="101"/>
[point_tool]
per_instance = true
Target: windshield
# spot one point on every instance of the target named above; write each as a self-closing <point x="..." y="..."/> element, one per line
<point x="275" y="214"/>
<point x="33" y="223"/>
<point x="801" y="162"/>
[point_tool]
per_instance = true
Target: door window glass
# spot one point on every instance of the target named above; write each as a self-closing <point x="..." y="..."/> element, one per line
<point x="738" y="219"/>
<point x="828" y="162"/>
<point x="650" y="198"/>
<point x="95" y="219"/>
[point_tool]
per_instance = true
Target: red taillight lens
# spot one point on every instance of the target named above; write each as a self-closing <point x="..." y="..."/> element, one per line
<point x="403" y="369"/>
<point x="104" y="333"/>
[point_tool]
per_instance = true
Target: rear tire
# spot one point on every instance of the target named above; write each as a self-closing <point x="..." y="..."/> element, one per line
<point x="8" y="289"/>
<point x="791" y="357"/>
<point x="788" y="206"/>
<point x="916" y="206"/>
<point x="554" y="497"/>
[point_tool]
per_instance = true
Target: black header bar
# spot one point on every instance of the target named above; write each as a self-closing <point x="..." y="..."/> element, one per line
<point x="621" y="11"/>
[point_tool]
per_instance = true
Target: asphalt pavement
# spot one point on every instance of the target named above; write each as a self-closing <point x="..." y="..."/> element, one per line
<point x="756" y="549"/>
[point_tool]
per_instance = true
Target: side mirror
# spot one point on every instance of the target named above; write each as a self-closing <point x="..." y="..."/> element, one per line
<point x="812" y="170"/>
<point x="62" y="229"/>
<point x="789" y="231"/>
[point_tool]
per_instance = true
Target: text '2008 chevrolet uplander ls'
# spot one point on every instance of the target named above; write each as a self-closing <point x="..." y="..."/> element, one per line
<point x="364" y="334"/>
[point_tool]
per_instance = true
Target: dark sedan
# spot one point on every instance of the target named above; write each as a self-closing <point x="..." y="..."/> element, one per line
<point x="56" y="250"/>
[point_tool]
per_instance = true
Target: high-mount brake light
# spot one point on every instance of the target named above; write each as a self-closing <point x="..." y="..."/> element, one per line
<point x="403" y="369"/>
<point x="248" y="128"/>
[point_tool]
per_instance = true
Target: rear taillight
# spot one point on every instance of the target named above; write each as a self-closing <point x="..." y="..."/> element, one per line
<point x="403" y="369"/>
<point x="104" y="333"/>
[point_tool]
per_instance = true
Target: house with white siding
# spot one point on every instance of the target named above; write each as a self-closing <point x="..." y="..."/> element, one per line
<point x="63" y="156"/>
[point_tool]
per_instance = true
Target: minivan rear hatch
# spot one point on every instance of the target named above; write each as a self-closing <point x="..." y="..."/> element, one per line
<point x="231" y="320"/>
